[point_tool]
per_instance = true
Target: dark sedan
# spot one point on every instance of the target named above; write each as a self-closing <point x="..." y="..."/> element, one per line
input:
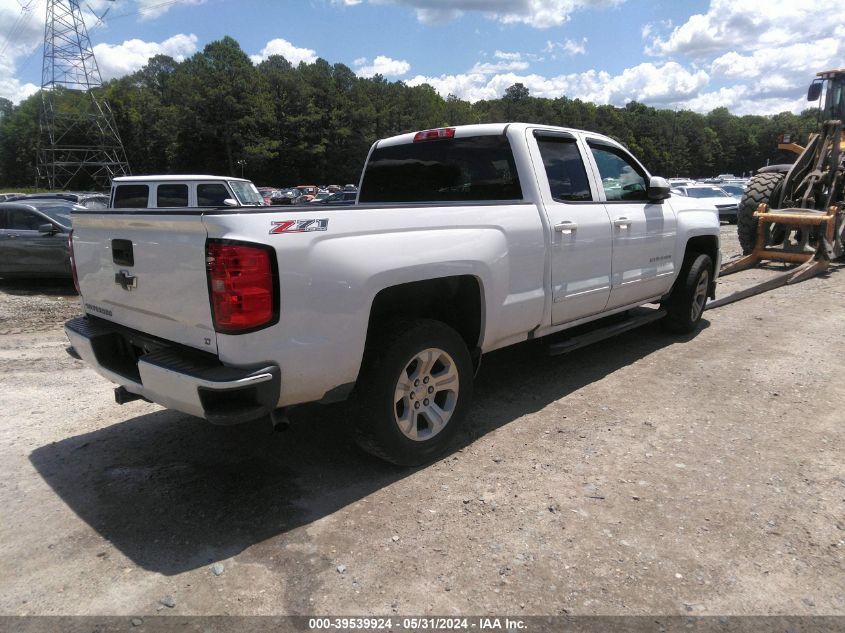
<point x="33" y="238"/>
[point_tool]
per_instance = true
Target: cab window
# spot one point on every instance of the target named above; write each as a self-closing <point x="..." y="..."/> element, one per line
<point x="211" y="195"/>
<point x="131" y="196"/>
<point x="172" y="196"/>
<point x="564" y="169"/>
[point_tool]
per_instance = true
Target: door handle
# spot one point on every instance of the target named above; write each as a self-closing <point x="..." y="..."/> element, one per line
<point x="622" y="223"/>
<point x="566" y="227"/>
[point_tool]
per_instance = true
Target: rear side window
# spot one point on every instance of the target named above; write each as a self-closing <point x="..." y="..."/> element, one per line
<point x="172" y="196"/>
<point x="211" y="195"/>
<point x="22" y="220"/>
<point x="475" y="168"/>
<point x="564" y="169"/>
<point x="131" y="196"/>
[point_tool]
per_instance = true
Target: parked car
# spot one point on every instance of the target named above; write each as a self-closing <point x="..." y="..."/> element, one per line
<point x="174" y="191"/>
<point x="87" y="199"/>
<point x="267" y="194"/>
<point x="680" y="182"/>
<point x="10" y="196"/>
<point x="322" y="195"/>
<point x="340" y="198"/>
<point x="724" y="202"/>
<point x="34" y="238"/>
<point x="288" y="196"/>
<point x="734" y="189"/>
<point x="309" y="191"/>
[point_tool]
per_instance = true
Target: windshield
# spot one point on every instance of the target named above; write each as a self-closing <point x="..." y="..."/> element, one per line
<point x="59" y="213"/>
<point x="735" y="190"/>
<point x="835" y="100"/>
<point x="706" y="192"/>
<point x="246" y="192"/>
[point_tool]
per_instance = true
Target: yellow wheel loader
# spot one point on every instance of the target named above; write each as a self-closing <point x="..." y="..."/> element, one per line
<point x="796" y="213"/>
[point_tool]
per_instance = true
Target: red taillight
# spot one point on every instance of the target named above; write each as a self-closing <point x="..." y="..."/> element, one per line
<point x="433" y="135"/>
<point x="72" y="261"/>
<point x="241" y="284"/>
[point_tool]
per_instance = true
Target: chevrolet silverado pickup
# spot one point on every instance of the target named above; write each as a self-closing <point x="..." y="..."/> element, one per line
<point x="463" y="240"/>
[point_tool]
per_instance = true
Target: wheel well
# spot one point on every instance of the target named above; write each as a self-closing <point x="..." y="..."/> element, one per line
<point x="456" y="301"/>
<point x="705" y="245"/>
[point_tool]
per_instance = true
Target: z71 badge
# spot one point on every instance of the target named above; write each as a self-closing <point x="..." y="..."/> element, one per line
<point x="298" y="226"/>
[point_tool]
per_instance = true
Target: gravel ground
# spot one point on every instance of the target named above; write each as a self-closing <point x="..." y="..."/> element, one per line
<point x="647" y="474"/>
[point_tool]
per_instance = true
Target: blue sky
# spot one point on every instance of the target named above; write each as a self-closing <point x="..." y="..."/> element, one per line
<point x="750" y="56"/>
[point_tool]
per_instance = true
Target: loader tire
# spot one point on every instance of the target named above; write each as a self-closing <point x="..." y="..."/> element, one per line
<point x="760" y="189"/>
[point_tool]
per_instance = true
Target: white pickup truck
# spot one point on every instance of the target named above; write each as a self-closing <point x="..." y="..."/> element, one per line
<point x="463" y="240"/>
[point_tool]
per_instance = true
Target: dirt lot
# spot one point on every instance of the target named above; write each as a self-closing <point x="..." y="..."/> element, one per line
<point x="644" y="475"/>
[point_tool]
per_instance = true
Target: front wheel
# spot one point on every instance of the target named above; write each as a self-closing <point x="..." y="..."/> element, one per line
<point x="685" y="304"/>
<point x="413" y="391"/>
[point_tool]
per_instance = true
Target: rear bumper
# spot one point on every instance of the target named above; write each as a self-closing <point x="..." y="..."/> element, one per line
<point x="175" y="376"/>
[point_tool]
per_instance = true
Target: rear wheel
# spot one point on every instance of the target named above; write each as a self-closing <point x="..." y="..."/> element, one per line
<point x="760" y="189"/>
<point x="413" y="392"/>
<point x="685" y="304"/>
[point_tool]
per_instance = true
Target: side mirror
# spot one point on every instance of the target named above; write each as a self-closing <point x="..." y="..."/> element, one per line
<point x="49" y="229"/>
<point x="815" y="90"/>
<point x="230" y="202"/>
<point x="658" y="189"/>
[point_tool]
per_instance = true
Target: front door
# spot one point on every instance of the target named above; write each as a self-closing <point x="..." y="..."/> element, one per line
<point x="644" y="232"/>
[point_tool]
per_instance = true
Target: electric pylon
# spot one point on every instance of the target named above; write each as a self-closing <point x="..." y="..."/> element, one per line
<point x="79" y="145"/>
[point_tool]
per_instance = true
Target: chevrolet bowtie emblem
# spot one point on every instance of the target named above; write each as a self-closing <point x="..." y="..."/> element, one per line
<point x="125" y="280"/>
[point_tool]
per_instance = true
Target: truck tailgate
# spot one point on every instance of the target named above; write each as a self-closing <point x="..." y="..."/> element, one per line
<point x="146" y="272"/>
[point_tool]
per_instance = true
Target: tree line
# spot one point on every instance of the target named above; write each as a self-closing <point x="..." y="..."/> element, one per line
<point x="279" y="124"/>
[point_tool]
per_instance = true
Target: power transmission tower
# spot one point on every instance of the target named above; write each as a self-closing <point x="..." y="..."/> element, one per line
<point x="79" y="145"/>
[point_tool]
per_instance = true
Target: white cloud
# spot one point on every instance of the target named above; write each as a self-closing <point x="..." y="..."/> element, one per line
<point x="768" y="52"/>
<point x="646" y="83"/>
<point x="287" y="50"/>
<point x="537" y="13"/>
<point x="490" y="69"/>
<point x="12" y="89"/>
<point x="382" y="65"/>
<point x="509" y="57"/>
<point x="568" y="47"/>
<point x="21" y="37"/>
<point x="746" y="25"/>
<point x="117" y="60"/>
<point x="152" y="9"/>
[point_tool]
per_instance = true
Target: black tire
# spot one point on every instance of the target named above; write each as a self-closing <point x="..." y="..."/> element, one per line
<point x="685" y="304"/>
<point x="760" y="189"/>
<point x="385" y="425"/>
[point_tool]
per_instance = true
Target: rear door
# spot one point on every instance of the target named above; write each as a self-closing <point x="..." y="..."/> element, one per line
<point x="644" y="232"/>
<point x="28" y="250"/>
<point x="147" y="271"/>
<point x="581" y="230"/>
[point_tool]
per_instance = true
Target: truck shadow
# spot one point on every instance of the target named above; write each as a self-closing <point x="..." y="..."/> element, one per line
<point x="59" y="287"/>
<point x="174" y="493"/>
